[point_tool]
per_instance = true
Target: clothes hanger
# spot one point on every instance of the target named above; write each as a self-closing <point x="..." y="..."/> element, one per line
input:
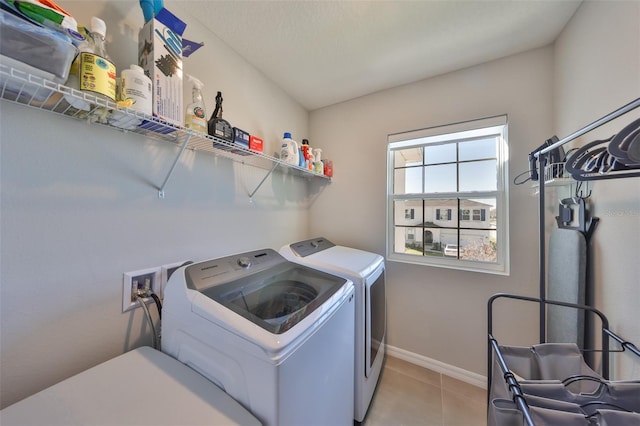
<point x="619" y="145"/>
<point x="592" y="162"/>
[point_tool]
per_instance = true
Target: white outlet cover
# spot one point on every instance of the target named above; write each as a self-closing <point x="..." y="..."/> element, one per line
<point x="127" y="282"/>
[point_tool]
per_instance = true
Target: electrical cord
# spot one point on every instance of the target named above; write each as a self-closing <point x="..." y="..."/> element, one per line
<point x="154" y="335"/>
<point x="158" y="304"/>
<point x="142" y="294"/>
<point x="515" y="179"/>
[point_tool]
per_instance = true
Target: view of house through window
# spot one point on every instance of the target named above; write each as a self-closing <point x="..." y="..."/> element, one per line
<point x="447" y="198"/>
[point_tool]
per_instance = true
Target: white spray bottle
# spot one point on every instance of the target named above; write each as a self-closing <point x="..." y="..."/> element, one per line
<point x="195" y="117"/>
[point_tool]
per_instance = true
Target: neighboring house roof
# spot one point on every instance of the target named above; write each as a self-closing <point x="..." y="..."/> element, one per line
<point x="448" y="203"/>
<point x="454" y="203"/>
<point x="431" y="225"/>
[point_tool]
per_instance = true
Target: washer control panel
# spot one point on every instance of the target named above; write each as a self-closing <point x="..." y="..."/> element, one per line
<point x="244" y="262"/>
<point x="309" y="247"/>
<point x="212" y="272"/>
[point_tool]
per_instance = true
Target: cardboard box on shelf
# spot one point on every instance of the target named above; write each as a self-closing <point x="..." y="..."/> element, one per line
<point x="256" y="144"/>
<point x="241" y="139"/>
<point x="160" y="55"/>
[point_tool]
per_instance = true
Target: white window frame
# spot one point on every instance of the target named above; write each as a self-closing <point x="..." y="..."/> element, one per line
<point x="449" y="133"/>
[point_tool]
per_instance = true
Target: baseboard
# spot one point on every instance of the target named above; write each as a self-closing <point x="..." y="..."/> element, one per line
<point x="438" y="366"/>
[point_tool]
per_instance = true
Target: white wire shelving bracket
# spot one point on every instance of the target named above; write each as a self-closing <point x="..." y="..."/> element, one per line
<point x="30" y="90"/>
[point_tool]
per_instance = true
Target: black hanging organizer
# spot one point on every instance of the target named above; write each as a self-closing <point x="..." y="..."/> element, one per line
<point x="594" y="161"/>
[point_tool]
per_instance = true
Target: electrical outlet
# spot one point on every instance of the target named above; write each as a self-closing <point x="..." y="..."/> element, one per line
<point x="144" y="279"/>
<point x="165" y="273"/>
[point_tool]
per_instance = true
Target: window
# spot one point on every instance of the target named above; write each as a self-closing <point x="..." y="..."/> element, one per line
<point x="443" y="214"/>
<point x="447" y="196"/>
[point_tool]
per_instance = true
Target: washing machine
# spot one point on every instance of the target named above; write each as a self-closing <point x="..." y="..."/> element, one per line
<point x="367" y="271"/>
<point x="277" y="336"/>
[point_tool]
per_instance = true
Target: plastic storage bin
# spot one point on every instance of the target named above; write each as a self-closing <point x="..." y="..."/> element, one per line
<point x="36" y="50"/>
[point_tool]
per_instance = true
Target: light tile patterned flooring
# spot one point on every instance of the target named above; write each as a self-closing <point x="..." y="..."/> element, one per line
<point x="409" y="395"/>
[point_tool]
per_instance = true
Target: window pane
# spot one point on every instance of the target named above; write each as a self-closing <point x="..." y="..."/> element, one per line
<point x="478" y="176"/>
<point x="408" y="212"/>
<point x="478" y="149"/>
<point x="435" y="154"/>
<point x="441" y="213"/>
<point x="478" y="213"/>
<point x="440" y="178"/>
<point x="449" y="242"/>
<point x="407" y="157"/>
<point x="408" y="240"/>
<point x="407" y="181"/>
<point x="478" y="245"/>
<point x="431" y="241"/>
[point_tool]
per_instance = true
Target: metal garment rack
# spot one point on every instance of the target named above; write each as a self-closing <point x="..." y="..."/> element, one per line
<point x="541" y="154"/>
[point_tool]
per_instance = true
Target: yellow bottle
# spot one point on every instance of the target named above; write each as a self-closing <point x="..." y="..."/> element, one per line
<point x="97" y="72"/>
<point x="92" y="70"/>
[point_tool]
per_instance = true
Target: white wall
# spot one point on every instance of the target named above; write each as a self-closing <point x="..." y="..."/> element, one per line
<point x="80" y="207"/>
<point x="438" y="313"/>
<point x="597" y="70"/>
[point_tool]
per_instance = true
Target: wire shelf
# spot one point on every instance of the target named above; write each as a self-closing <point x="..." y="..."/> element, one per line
<point x="556" y="175"/>
<point x="33" y="91"/>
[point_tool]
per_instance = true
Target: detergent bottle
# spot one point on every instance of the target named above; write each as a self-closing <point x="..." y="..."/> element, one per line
<point x="318" y="166"/>
<point x="195" y="117"/>
<point x="97" y="72"/>
<point x="92" y="70"/>
<point x="134" y="91"/>
<point x="289" y="152"/>
<point x="305" y="149"/>
<point x="311" y="160"/>
<point x="136" y="88"/>
<point x="73" y="80"/>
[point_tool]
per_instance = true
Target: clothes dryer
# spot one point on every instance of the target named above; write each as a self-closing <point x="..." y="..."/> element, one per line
<point x="275" y="335"/>
<point x="367" y="271"/>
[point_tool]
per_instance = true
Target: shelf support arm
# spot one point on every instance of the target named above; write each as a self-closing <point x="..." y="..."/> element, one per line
<point x="173" y="166"/>
<point x="275" y="164"/>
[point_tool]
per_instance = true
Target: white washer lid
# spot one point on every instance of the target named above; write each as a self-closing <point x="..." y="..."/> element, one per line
<point x="144" y="386"/>
<point x="346" y="261"/>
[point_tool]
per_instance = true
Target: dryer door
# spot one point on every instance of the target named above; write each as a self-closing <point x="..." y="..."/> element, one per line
<point x="375" y="317"/>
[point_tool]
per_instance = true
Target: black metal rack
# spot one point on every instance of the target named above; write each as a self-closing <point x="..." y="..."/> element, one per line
<point x="510" y="378"/>
<point x="544" y="155"/>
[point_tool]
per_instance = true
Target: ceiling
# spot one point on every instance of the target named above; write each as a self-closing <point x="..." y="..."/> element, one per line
<point x="325" y="52"/>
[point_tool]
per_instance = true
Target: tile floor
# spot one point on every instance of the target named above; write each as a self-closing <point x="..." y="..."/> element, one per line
<point x="410" y="395"/>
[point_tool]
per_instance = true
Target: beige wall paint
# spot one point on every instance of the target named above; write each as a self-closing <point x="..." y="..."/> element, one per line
<point x="80" y="207"/>
<point x="593" y="68"/>
<point x="438" y="313"/>
<point x="597" y="70"/>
